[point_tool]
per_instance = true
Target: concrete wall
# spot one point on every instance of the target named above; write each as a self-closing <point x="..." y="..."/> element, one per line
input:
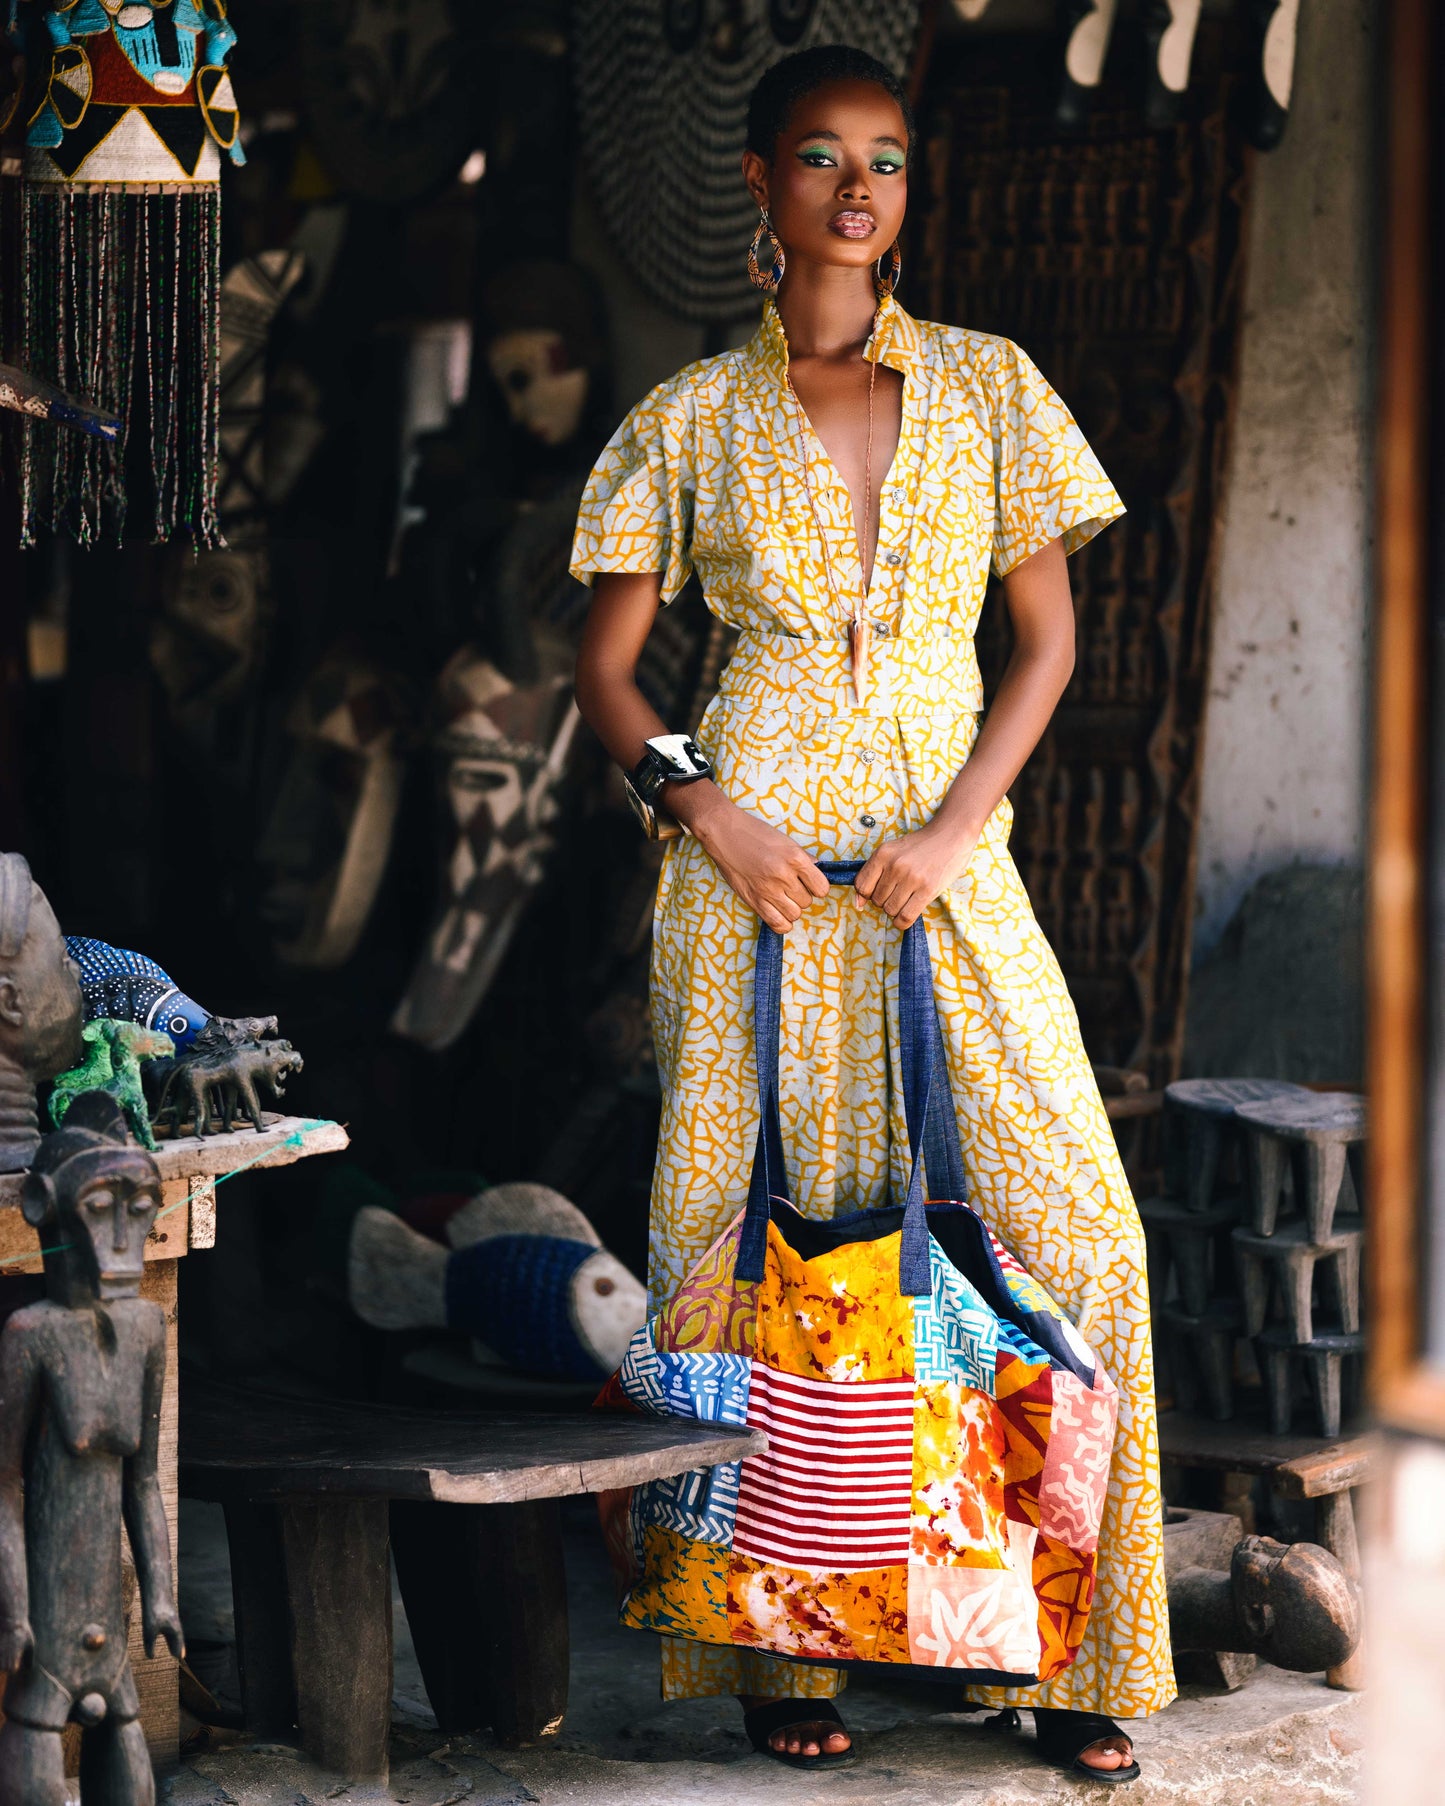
<point x="1284" y="747"/>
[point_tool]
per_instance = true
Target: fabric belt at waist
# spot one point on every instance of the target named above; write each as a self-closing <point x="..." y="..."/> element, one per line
<point x="909" y="674"/>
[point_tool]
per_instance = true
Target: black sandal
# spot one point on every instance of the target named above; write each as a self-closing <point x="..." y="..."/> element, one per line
<point x="1064" y="1736"/>
<point x="764" y="1722"/>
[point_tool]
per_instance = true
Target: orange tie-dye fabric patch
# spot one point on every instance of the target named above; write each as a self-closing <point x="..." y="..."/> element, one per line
<point x="839" y="1317"/>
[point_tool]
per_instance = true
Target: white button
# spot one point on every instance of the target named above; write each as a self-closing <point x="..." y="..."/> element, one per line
<point x="893" y="558"/>
<point x="866" y="757"/>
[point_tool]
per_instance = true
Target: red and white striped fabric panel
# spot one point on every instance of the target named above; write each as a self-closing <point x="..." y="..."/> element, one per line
<point x="1005" y="1259"/>
<point x="835" y="1488"/>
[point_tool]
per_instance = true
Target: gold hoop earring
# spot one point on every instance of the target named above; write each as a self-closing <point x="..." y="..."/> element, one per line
<point x="774" y="276"/>
<point x="883" y="286"/>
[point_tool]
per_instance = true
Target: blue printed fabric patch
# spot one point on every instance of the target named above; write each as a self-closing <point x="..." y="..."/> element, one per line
<point x="955" y="1334"/>
<point x="1010" y="1336"/>
<point x="708" y="1388"/>
<point x="640" y="1375"/>
<point x="701" y="1504"/>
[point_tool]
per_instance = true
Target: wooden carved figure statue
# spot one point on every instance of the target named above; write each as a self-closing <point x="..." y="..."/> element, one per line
<point x="1291" y="1603"/>
<point x="81" y="1375"/>
<point x="40" y="1008"/>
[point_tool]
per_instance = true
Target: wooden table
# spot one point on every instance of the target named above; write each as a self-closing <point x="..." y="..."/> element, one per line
<point x="319" y="1494"/>
<point x="190" y="1167"/>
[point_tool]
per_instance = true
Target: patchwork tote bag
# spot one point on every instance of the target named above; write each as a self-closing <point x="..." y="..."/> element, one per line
<point x="939" y="1434"/>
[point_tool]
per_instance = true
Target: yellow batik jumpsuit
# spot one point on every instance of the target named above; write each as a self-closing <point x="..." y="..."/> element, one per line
<point x="705" y="475"/>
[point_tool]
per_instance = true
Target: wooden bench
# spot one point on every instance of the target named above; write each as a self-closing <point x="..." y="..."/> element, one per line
<point x="317" y="1494"/>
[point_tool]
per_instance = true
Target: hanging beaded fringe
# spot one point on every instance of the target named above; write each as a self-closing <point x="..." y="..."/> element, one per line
<point x="122" y="288"/>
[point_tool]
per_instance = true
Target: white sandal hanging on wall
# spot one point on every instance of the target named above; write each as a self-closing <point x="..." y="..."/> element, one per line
<point x="1086" y="48"/>
<point x="1276" y="25"/>
<point x="1170" y="26"/>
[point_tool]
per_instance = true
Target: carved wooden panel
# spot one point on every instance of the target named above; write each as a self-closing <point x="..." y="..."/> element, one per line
<point x="1113" y="259"/>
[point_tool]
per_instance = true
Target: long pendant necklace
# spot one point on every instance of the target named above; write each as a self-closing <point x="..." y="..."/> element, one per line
<point x="860" y="627"/>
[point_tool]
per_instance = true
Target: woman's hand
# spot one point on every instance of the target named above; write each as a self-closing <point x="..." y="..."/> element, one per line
<point x="905" y="875"/>
<point x="772" y="874"/>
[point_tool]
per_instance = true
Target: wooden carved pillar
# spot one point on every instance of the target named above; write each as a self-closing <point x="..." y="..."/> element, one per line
<point x="1113" y="258"/>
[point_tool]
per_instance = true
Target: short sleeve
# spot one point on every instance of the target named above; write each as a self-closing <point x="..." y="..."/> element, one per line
<point x="636" y="511"/>
<point x="1048" y="483"/>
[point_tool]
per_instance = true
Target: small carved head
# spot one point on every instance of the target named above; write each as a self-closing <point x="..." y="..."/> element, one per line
<point x="1297" y="1601"/>
<point x="40" y="1004"/>
<point x="93" y="1194"/>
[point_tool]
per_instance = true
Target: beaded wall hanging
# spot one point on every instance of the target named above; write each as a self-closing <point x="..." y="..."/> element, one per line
<point x="127" y="113"/>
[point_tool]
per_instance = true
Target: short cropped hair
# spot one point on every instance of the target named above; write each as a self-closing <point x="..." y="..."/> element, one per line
<point x="781" y="87"/>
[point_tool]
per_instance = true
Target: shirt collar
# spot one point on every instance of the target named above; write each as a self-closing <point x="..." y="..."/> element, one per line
<point x="894" y="341"/>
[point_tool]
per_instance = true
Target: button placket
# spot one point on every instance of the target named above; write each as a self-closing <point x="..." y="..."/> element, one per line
<point x="875" y="778"/>
<point x="905" y="478"/>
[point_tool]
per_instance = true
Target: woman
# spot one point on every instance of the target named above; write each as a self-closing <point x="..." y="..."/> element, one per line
<point x="842" y="485"/>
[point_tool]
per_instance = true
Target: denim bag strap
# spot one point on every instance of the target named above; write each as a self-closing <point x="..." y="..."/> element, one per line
<point x="927" y="1100"/>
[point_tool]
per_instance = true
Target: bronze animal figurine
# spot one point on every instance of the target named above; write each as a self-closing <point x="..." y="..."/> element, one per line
<point x="40" y="1008"/>
<point x="114" y="1051"/>
<point x="81" y="1379"/>
<point x="214" y="1082"/>
<point x="236" y="1031"/>
<point x="121" y="985"/>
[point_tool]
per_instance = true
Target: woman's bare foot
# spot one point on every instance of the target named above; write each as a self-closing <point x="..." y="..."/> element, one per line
<point x="1063" y="1739"/>
<point x="808" y="1737"/>
<point x="1107" y="1753"/>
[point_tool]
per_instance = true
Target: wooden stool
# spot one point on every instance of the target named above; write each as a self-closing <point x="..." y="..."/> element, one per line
<point x="1319" y="1132"/>
<point x="1204" y="1354"/>
<point x="1188" y="1239"/>
<point x="319" y="1495"/>
<point x="1207" y="1107"/>
<point x="1293" y="1258"/>
<point x="1324" y="1356"/>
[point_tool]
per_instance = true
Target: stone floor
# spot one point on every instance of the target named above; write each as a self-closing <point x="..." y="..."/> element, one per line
<point x="1282" y="1740"/>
